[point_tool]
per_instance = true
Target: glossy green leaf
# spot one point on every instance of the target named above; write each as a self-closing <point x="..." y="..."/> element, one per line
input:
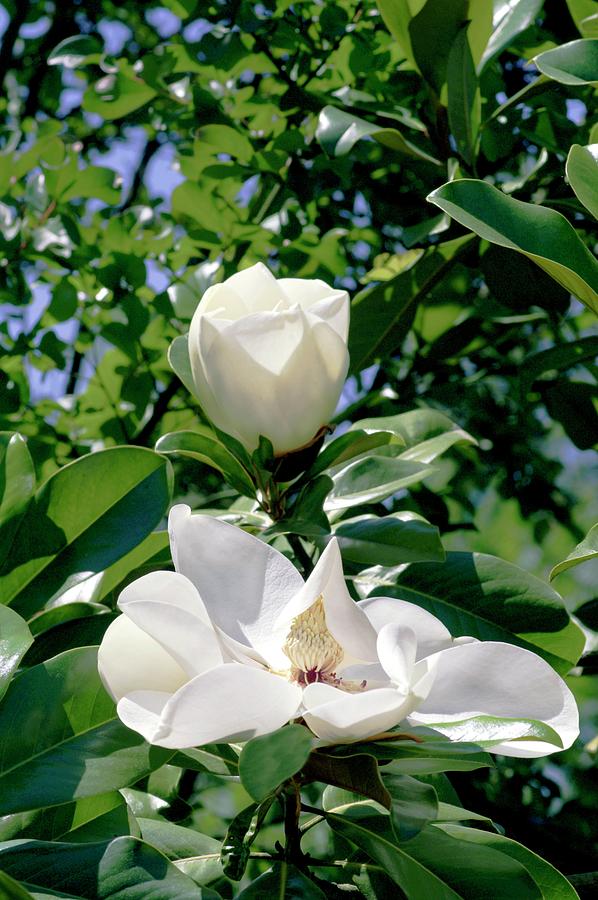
<point x="488" y="598"/>
<point x="542" y="234"/>
<point x="582" y="172"/>
<point x="204" y="445"/>
<point x="509" y="21"/>
<point x="62" y="738"/>
<point x="97" y="818"/>
<point x="62" y="540"/>
<point x="82" y="632"/>
<point x="486" y="731"/>
<point x="586" y="549"/>
<point x="17" y="485"/>
<point x="382" y="315"/>
<point x="352" y="769"/>
<point x="117" y="95"/>
<point x="432" y="754"/>
<point x="15" y="639"/>
<point x="583" y="13"/>
<point x="349" y="445"/>
<point x="557" y="359"/>
<point x="76" y="51"/>
<point x="374" y="477"/>
<point x="572" y="63"/>
<point x="197" y="855"/>
<point x="338" y="131"/>
<point x="265" y="762"/>
<point x="552" y="885"/>
<point x="425" y="433"/>
<point x="241" y="833"/>
<point x="414" y="805"/>
<point x="390" y="540"/>
<point x="433" y="32"/>
<point x="415" y="879"/>
<point x="283" y="882"/>
<point x="464" y="102"/>
<point x="125" y="868"/>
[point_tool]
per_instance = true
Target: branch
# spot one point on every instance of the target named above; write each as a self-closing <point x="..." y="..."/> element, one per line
<point x="160" y="407"/>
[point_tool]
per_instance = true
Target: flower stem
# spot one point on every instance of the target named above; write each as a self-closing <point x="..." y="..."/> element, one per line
<point x="291" y="799"/>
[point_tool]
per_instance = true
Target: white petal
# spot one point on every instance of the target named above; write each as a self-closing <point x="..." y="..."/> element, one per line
<point x="346" y="622"/>
<point x="131" y="660"/>
<point x="257" y="286"/>
<point x="432" y="635"/>
<point x="496" y="679"/>
<point x="268" y="338"/>
<point x="229" y="703"/>
<point x="397" y="650"/>
<point x="171" y="588"/>
<point x="243" y="582"/>
<point x="320" y="299"/>
<point x="202" y="334"/>
<point x="338" y="717"/>
<point x="223" y="301"/>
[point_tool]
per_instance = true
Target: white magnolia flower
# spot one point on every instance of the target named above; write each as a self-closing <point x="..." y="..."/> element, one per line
<point x="270" y="356"/>
<point x="235" y="644"/>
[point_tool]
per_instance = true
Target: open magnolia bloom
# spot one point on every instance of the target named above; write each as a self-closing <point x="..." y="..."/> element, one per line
<point x="269" y="357"/>
<point x="234" y="644"/>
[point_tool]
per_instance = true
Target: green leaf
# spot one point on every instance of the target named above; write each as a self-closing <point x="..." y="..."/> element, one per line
<point x="487" y="731"/>
<point x="588" y="613"/>
<point x="425" y="433"/>
<point x="382" y="315"/>
<point x="374" y="477"/>
<point x="414" y="805"/>
<point x="415" y="879"/>
<point x="98" y="182"/>
<point x="350" y="770"/>
<point x="82" y="519"/>
<point x="542" y="234"/>
<point x="509" y="21"/>
<point x="552" y="885"/>
<point x="464" y="102"/>
<point x="265" y="762"/>
<point x="241" y="834"/>
<point x="199" y="854"/>
<point x="125" y="868"/>
<point x="338" y="131"/>
<point x="556" y="359"/>
<point x="432" y="754"/>
<point x="117" y="95"/>
<point x="433" y="32"/>
<point x="63" y="739"/>
<point x="204" y="445"/>
<point x="15" y="639"/>
<point x="76" y="51"/>
<point x="12" y="890"/>
<point x="17" y="485"/>
<point x="82" y="632"/>
<point x="283" y="882"/>
<point x="349" y="445"/>
<point x="488" y="598"/>
<point x="572" y="63"/>
<point x="582" y="172"/>
<point x="586" y="549"/>
<point x="97" y="818"/>
<point x="583" y="13"/>
<point x="389" y="541"/>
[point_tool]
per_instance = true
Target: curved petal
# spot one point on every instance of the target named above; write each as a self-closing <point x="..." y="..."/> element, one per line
<point x="229" y="703"/>
<point x="243" y="582"/>
<point x="432" y="635"/>
<point x="338" y="717"/>
<point x="346" y="622"/>
<point x="330" y="304"/>
<point x="397" y="650"/>
<point x="258" y="288"/>
<point x="131" y="660"/>
<point x="496" y="679"/>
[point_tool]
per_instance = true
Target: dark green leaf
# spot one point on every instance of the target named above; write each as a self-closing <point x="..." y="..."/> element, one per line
<point x="17" y="485"/>
<point x="265" y="762"/>
<point x="464" y="104"/>
<point x="572" y="63"/>
<point x="62" y="738"/>
<point x="124" y="868"/>
<point x="414" y="805"/>
<point x="76" y="51"/>
<point x="389" y="541"/>
<point x="556" y="359"/>
<point x="15" y="638"/>
<point x="200" y="853"/>
<point x="62" y="540"/>
<point x="283" y="882"/>
<point x="241" y="834"/>
<point x="509" y="21"/>
<point x="433" y="32"/>
<point x="204" y="445"/>
<point x="582" y="172"/>
<point x="542" y="234"/>
<point x="352" y="771"/>
<point x="338" y="131"/>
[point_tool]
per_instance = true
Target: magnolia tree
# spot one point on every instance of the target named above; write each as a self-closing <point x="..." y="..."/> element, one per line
<point x="296" y="653"/>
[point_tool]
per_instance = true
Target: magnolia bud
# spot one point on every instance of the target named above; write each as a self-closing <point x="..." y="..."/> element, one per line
<point x="269" y="357"/>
